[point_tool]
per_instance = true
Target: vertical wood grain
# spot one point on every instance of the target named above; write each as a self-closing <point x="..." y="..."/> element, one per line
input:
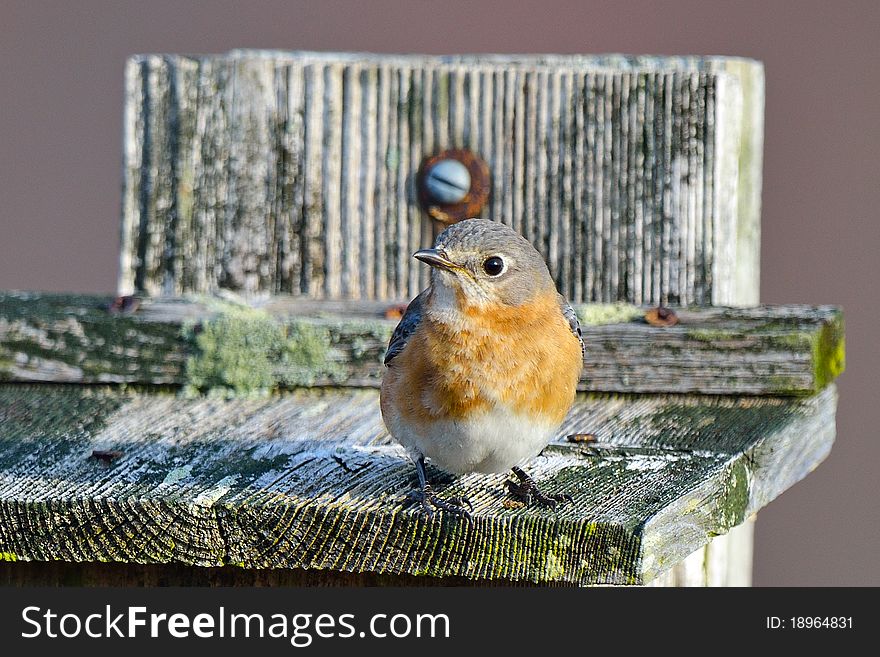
<point x="272" y="172"/>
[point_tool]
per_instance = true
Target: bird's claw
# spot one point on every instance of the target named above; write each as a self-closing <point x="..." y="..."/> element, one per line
<point x="429" y="501"/>
<point x="526" y="491"/>
<point x="461" y="502"/>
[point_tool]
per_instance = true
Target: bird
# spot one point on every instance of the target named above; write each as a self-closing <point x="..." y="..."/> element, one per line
<point x="483" y="366"/>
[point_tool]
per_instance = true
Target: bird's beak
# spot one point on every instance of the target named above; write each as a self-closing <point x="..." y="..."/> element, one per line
<point x="436" y="258"/>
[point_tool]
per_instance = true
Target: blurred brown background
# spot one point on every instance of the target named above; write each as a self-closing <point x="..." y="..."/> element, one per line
<point x="61" y="66"/>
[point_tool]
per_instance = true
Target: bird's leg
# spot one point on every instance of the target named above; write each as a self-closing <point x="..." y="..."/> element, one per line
<point x="526" y="491"/>
<point x="426" y="496"/>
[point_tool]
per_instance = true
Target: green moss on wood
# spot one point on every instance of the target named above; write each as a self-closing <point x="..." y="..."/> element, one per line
<point x="712" y="334"/>
<point x="734" y="497"/>
<point x="789" y="386"/>
<point x="272" y="497"/>
<point x="236" y="351"/>
<point x="77" y="331"/>
<point x="692" y="425"/>
<point x="240" y="350"/>
<point x="307" y="355"/>
<point x="599" y="314"/>
<point x="244" y="351"/>
<point x="829" y="352"/>
<point x="50" y="432"/>
<point x="791" y="341"/>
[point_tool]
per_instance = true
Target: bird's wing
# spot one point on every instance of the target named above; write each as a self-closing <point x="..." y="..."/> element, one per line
<point x="407" y="326"/>
<point x="573" y="322"/>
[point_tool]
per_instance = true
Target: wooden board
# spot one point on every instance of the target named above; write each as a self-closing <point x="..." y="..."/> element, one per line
<point x="282" y="342"/>
<point x="724" y="561"/>
<point x="309" y="480"/>
<point x="638" y="178"/>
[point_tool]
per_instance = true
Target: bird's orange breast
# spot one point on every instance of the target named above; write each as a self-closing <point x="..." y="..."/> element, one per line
<point x="525" y="359"/>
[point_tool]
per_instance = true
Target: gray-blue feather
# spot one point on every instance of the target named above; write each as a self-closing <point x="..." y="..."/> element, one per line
<point x="408" y="324"/>
<point x="573" y="322"/>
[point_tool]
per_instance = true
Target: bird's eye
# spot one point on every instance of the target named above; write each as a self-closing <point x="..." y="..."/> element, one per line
<point x="494" y="266"/>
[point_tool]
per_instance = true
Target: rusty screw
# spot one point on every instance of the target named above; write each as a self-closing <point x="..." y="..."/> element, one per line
<point x="661" y="316"/>
<point x="453" y="185"/>
<point x="448" y="181"/>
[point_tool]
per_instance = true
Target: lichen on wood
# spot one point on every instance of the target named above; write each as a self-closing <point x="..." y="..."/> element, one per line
<point x="829" y="351"/>
<point x="245" y="350"/>
<point x="599" y="314"/>
<point x="237" y="347"/>
<point x="638" y="178"/>
<point x="310" y="480"/>
<point x="235" y="350"/>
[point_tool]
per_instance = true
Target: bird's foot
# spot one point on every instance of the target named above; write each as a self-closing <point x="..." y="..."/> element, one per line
<point x="526" y="491"/>
<point x="429" y="501"/>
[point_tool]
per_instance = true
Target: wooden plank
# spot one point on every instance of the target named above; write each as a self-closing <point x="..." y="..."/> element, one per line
<point x="725" y="561"/>
<point x="65" y="573"/>
<point x="285" y="342"/>
<point x="310" y="480"/>
<point x="206" y="138"/>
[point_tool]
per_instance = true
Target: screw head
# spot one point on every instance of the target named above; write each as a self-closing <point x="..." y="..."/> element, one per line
<point x="453" y="185"/>
<point x="448" y="181"/>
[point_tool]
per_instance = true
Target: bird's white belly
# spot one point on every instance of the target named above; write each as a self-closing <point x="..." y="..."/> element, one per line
<point x="491" y="442"/>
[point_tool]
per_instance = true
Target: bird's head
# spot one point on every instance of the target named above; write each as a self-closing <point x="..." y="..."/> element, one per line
<point x="486" y="262"/>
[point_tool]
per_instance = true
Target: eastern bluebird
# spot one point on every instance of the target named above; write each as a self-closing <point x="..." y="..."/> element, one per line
<point x="483" y="366"/>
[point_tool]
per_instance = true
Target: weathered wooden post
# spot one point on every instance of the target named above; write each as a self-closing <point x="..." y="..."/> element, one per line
<point x="270" y="210"/>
